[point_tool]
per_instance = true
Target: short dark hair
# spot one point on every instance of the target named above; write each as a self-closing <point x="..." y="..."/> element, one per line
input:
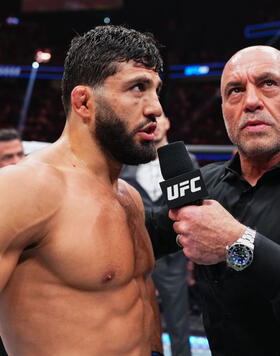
<point x="9" y="134"/>
<point x="95" y="55"/>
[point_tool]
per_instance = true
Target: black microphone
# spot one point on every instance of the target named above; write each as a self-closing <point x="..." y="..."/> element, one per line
<point x="183" y="185"/>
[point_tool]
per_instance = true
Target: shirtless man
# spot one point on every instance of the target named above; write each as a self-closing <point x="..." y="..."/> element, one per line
<point x="74" y="252"/>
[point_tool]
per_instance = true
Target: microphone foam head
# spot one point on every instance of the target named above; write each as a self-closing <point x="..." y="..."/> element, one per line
<point x="174" y="160"/>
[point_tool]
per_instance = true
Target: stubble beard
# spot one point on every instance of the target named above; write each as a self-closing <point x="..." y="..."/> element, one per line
<point x="258" y="148"/>
<point x="111" y="133"/>
<point x="256" y="144"/>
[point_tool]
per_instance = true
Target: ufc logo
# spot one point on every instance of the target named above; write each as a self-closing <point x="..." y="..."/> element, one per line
<point x="179" y="190"/>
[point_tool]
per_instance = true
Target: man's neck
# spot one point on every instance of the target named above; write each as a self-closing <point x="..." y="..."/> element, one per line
<point x="254" y="168"/>
<point x="81" y="148"/>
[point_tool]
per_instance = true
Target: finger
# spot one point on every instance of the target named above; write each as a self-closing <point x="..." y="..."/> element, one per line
<point x="208" y="202"/>
<point x="187" y="253"/>
<point x="173" y="213"/>
<point x="177" y="227"/>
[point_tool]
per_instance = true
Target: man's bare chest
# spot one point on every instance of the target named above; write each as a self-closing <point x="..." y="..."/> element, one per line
<point x="97" y="242"/>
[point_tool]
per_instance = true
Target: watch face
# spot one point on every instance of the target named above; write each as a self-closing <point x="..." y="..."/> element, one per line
<point x="240" y="256"/>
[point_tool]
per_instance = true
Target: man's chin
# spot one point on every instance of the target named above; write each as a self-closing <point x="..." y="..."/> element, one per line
<point x="260" y="150"/>
<point x="142" y="154"/>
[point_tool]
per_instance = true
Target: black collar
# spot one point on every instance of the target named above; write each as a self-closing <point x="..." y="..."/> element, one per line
<point x="233" y="166"/>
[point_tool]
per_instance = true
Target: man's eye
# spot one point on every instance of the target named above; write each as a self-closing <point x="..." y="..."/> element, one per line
<point x="139" y="87"/>
<point x="234" y="90"/>
<point x="269" y="82"/>
<point x="7" y="157"/>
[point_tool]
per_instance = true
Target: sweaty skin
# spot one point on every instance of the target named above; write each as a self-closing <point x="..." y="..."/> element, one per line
<point x="75" y="255"/>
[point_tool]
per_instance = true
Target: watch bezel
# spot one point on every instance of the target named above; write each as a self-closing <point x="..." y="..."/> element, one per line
<point x="245" y="246"/>
<point x="236" y="248"/>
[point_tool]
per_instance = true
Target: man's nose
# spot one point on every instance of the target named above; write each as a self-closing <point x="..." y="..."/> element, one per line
<point x="153" y="107"/>
<point x="253" y="99"/>
<point x="15" y="158"/>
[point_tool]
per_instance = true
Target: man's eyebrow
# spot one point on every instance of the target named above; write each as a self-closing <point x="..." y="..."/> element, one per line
<point x="143" y="79"/>
<point x="267" y="75"/>
<point x="140" y="78"/>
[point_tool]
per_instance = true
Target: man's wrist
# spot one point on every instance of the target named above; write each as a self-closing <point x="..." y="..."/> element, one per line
<point x="240" y="253"/>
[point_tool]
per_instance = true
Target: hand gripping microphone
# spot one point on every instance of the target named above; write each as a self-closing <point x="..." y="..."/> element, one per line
<point x="183" y="185"/>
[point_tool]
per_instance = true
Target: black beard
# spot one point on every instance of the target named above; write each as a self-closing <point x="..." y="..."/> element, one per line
<point x="112" y="135"/>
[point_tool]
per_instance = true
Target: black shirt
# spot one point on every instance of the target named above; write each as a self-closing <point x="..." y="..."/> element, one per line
<point x="241" y="310"/>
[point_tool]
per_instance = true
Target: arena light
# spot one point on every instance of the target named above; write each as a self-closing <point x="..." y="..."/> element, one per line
<point x="40" y="57"/>
<point x="24" y="71"/>
<point x="43" y="56"/>
<point x="12" y="20"/>
<point x="196" y="70"/>
<point x="262" y="29"/>
<point x="191" y="70"/>
<point x="35" y="65"/>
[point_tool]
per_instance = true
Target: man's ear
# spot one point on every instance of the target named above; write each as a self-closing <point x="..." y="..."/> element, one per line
<point x="82" y="101"/>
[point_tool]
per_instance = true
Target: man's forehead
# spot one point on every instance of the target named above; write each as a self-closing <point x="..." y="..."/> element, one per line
<point x="255" y="56"/>
<point x="132" y="66"/>
<point x="259" y="53"/>
<point x="253" y="61"/>
<point x="11" y="144"/>
<point x="131" y="70"/>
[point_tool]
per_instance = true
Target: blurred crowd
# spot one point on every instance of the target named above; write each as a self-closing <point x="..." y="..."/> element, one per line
<point x="193" y="105"/>
<point x="193" y="108"/>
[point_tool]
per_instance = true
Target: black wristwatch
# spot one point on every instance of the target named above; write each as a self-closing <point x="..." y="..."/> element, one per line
<point x="240" y="253"/>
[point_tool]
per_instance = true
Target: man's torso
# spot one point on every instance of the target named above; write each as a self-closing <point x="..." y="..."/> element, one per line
<point x="81" y="290"/>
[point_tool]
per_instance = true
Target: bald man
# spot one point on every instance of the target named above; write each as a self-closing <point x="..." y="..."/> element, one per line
<point x="235" y="237"/>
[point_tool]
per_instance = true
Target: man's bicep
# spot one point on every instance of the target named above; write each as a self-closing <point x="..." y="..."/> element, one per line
<point x="19" y="214"/>
<point x="11" y="228"/>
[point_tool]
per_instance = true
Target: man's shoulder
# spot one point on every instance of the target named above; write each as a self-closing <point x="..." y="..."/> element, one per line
<point x="30" y="172"/>
<point x="31" y="183"/>
<point x="31" y="195"/>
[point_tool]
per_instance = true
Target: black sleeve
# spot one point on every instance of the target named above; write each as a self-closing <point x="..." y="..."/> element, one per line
<point x="161" y="232"/>
<point x="265" y="268"/>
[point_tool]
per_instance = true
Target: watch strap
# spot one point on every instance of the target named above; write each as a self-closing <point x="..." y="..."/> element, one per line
<point x="247" y="238"/>
<point x="243" y="248"/>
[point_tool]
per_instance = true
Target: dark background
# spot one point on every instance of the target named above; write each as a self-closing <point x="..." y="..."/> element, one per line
<point x="191" y="32"/>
